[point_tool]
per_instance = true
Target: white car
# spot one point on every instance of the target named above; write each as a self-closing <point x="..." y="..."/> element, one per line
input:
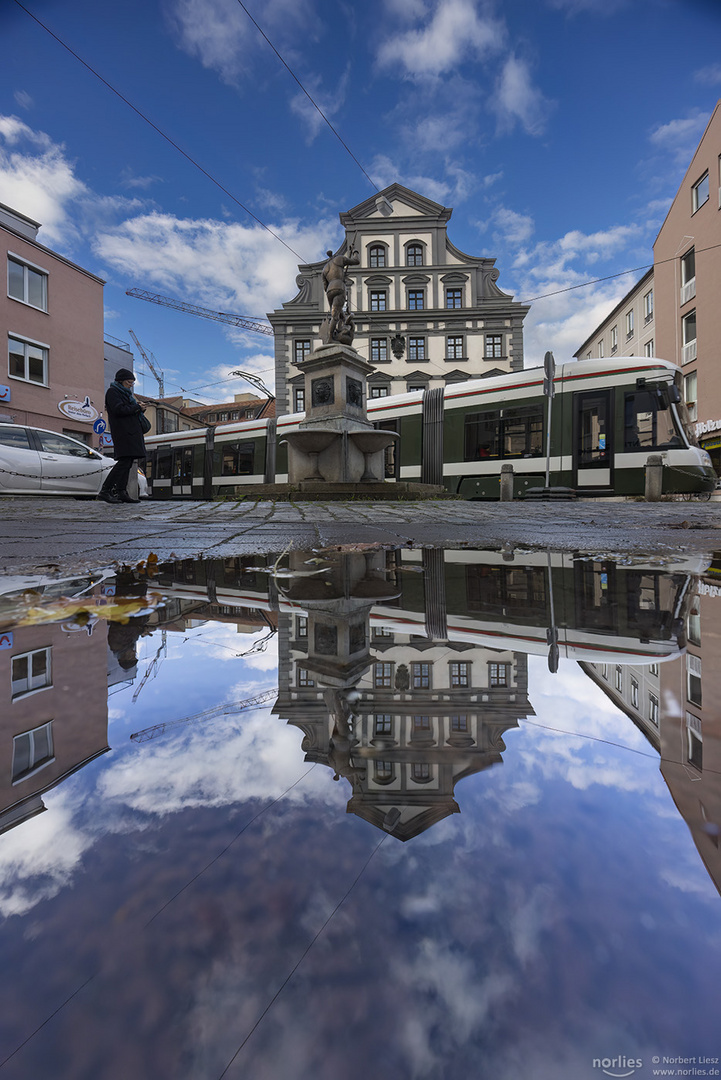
<point x="38" y="462"/>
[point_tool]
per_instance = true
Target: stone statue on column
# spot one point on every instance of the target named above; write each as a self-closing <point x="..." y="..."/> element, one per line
<point x="339" y="325"/>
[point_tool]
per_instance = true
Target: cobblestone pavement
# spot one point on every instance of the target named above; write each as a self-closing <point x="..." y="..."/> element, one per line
<point x="67" y="535"/>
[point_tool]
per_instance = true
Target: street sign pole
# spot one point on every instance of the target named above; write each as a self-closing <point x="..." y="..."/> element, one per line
<point x="549" y="366"/>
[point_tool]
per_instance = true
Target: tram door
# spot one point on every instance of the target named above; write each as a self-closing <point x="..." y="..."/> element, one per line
<point x="182" y="475"/>
<point x="593" y="440"/>
<point x="392" y="462"/>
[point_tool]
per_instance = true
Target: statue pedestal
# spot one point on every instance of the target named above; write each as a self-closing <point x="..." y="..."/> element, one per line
<point x="336" y="443"/>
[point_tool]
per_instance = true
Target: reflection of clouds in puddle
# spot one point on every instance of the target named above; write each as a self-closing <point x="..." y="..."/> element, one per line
<point x="227" y="761"/>
<point x="38" y="859"/>
<point x="572" y="702"/>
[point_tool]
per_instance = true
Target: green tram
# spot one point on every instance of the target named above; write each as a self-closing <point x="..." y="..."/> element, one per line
<point x="607" y="417"/>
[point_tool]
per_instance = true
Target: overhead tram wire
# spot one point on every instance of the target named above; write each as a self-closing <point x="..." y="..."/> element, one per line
<point x="314" y="103"/>
<point x="160" y="132"/>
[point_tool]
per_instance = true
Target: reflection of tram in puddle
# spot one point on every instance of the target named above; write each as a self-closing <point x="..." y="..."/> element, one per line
<point x="444" y="666"/>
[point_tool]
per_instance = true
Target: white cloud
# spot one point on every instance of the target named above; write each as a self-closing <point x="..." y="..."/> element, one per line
<point x="129" y="180"/>
<point x="253" y="756"/>
<point x="515" y="228"/>
<point x="222" y="37"/>
<point x="216" y="32"/>
<point x="557" y="271"/>
<point x="329" y="102"/>
<point x="223" y="266"/>
<point x="516" y="100"/>
<point x="456" y="30"/>
<point x="38" y="859"/>
<point x="451" y="191"/>
<point x="37" y="179"/>
<point x="708" y="76"/>
<point x="680" y="137"/>
<point x="23" y="99"/>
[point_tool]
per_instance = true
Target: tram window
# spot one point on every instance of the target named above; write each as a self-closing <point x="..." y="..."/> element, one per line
<point x="483" y="436"/>
<point x="646" y="426"/>
<point x="237" y="459"/>
<point x="502" y="590"/>
<point x="164" y="462"/>
<point x="523" y="432"/>
<point x="512" y="433"/>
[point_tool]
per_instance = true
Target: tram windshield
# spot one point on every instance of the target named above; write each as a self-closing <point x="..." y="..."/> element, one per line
<point x="649" y="422"/>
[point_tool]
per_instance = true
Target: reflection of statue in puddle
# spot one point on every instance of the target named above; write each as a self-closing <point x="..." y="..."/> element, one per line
<point x="342" y="740"/>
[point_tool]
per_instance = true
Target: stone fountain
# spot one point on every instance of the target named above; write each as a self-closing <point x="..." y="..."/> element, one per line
<point x="336" y="444"/>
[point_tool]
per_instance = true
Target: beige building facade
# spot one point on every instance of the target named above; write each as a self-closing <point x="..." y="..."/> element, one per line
<point x="630" y="328"/>
<point x="687" y="273"/>
<point x="51" y="319"/>
<point x="426" y="314"/>
<point x="673" y="311"/>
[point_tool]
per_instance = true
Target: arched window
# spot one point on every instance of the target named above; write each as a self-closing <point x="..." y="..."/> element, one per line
<point x="414" y="255"/>
<point x="383" y="772"/>
<point x="377" y="255"/>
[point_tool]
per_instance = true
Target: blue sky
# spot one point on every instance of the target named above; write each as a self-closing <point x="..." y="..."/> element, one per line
<point x="558" y="130"/>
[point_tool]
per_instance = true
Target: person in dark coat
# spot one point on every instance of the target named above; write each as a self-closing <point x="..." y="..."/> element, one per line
<point x="127" y="426"/>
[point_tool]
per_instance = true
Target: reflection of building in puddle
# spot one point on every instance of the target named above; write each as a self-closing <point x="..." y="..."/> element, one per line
<point x="676" y="707"/>
<point x="404" y="668"/>
<point x="53" y="711"/>
<point x="218" y="590"/>
<point x="384" y="698"/>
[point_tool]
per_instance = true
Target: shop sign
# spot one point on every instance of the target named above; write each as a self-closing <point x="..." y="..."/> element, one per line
<point x="106" y="439"/>
<point x="81" y="411"/>
<point x="4" y="393"/>
<point x="706" y="426"/>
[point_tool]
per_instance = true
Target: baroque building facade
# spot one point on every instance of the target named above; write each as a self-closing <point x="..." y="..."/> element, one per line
<point x="426" y="314"/>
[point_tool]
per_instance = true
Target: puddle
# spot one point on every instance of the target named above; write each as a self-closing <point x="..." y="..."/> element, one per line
<point x="423" y="813"/>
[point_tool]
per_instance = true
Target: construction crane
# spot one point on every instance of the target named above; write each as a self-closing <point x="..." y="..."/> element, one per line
<point x="208" y="714"/>
<point x="155" y="370"/>
<point x="204" y="313"/>
<point x="153" y="666"/>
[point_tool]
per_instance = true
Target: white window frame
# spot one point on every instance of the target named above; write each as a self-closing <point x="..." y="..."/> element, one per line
<point x="688" y="280"/>
<point x="629" y="324"/>
<point x="697" y="203"/>
<point x="614" y="338"/>
<point x="36" y="764"/>
<point x="37" y="687"/>
<point x="301" y="350"/>
<point x="690" y="390"/>
<point x="689" y="350"/>
<point x="653" y="709"/>
<point x="26" y="265"/>
<point x="23" y="340"/>
<point x="600" y="349"/>
<point x="648" y="349"/>
<point x="648" y="306"/>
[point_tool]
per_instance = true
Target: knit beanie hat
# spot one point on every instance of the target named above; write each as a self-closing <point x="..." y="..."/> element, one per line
<point x="122" y="374"/>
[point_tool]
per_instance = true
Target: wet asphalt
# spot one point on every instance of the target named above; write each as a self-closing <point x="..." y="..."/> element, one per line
<point x="63" y="535"/>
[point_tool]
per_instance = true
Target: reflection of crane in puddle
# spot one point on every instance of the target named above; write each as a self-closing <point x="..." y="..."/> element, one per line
<point x="207" y="714"/>
<point x="154" y="666"/>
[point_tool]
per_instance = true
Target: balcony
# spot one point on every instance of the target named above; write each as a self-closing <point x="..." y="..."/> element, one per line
<point x="688" y="352"/>
<point x="688" y="291"/>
